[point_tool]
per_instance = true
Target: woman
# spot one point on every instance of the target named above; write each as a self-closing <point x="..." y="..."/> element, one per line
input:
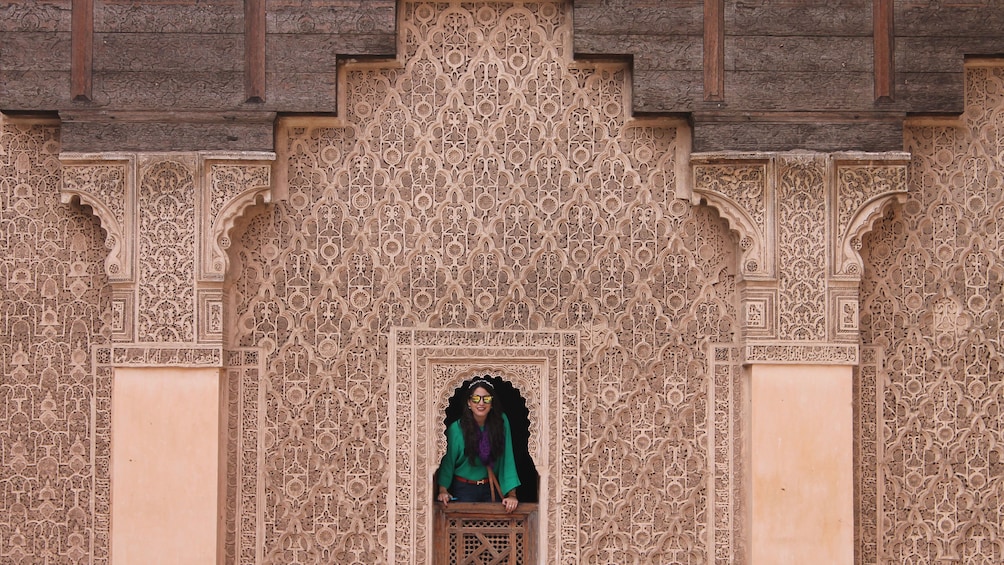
<point x="478" y="447"/>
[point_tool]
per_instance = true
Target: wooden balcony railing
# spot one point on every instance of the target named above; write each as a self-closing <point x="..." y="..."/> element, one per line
<point x="472" y="533"/>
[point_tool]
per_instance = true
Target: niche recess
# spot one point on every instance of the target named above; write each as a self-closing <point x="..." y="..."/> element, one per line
<point x="426" y="367"/>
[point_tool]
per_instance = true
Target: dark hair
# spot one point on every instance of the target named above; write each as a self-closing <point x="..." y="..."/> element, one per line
<point x="493" y="423"/>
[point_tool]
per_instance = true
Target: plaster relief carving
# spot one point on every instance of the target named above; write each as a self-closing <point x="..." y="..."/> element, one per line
<point x="930" y="397"/>
<point x="55" y="310"/>
<point x="168" y="218"/>
<point x="806" y="212"/>
<point x="485" y="196"/>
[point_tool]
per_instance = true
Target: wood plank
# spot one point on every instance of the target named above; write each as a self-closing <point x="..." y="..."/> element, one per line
<point x="714" y="50"/>
<point x="168" y="52"/>
<point x="940" y="54"/>
<point x="35" y="51"/>
<point x="320" y="52"/>
<point x="676" y="52"/>
<point x="640" y="17"/>
<point x="941" y="19"/>
<point x="154" y="90"/>
<point x="52" y="16"/>
<point x="303" y="92"/>
<point x="787" y="136"/>
<point x="82" y="50"/>
<point x="335" y="17"/>
<point x="254" y="50"/>
<point x="662" y="91"/>
<point x="931" y="92"/>
<point x="798" y="54"/>
<point x="884" y="38"/>
<point x="800" y="91"/>
<point x="113" y="135"/>
<point x="175" y="16"/>
<point x="34" y="90"/>
<point x="799" y="17"/>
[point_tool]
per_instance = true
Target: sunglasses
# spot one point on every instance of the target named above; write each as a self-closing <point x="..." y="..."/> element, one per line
<point x="477" y="398"/>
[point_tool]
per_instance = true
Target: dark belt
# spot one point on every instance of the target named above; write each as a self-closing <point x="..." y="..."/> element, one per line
<point x="470" y="482"/>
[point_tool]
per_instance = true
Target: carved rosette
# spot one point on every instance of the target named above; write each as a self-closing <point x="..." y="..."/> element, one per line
<point x="805" y="212"/>
<point x="168" y="218"/>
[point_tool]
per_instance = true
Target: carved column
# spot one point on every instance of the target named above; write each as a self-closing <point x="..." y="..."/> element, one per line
<point x="168" y="219"/>
<point x="800" y="218"/>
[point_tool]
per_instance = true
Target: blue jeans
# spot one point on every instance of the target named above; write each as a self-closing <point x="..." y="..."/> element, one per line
<point x="466" y="492"/>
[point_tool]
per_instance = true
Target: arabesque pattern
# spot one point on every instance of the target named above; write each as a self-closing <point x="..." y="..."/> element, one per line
<point x="487" y="182"/>
<point x="55" y="295"/>
<point x="933" y="302"/>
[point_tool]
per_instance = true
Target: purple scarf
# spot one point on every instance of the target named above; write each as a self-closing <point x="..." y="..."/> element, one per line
<point x="484" y="448"/>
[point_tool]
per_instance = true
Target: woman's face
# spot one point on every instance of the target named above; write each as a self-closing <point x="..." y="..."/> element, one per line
<point x="481" y="408"/>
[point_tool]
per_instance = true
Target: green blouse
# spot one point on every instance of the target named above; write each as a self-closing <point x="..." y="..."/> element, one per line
<point x="456" y="462"/>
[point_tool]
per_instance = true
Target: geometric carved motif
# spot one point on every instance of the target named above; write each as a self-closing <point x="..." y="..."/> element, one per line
<point x="55" y="295"/>
<point x="484" y="182"/>
<point x="933" y="304"/>
<point x="800" y="217"/>
<point x="427" y="367"/>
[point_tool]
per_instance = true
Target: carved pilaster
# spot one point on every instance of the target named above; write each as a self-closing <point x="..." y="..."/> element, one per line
<point x="800" y="218"/>
<point x="168" y="218"/>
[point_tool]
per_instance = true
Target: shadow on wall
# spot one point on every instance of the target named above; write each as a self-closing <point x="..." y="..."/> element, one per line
<point x="514" y="406"/>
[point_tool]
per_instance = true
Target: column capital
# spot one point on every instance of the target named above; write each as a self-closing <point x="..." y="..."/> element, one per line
<point x="800" y="218"/>
<point x="168" y="218"/>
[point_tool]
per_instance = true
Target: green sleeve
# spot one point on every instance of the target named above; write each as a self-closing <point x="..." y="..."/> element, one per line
<point x="506" y="464"/>
<point x="454" y="450"/>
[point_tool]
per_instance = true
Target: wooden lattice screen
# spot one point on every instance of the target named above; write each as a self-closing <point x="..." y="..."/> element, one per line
<point x="468" y="533"/>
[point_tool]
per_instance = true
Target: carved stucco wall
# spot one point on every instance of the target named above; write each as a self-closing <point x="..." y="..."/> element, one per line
<point x="931" y="426"/>
<point x="394" y="220"/>
<point x="487" y="182"/>
<point x="55" y="302"/>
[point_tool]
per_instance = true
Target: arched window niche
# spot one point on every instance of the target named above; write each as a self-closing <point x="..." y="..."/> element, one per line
<point x="426" y="367"/>
<point x="514" y="407"/>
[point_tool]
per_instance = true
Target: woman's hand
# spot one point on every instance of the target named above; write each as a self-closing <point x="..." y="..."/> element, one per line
<point x="510" y="502"/>
<point x="444" y="497"/>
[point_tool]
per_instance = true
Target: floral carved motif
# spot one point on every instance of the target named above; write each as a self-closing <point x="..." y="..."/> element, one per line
<point x="491" y="201"/>
<point x="800" y="218"/>
<point x="931" y="305"/>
